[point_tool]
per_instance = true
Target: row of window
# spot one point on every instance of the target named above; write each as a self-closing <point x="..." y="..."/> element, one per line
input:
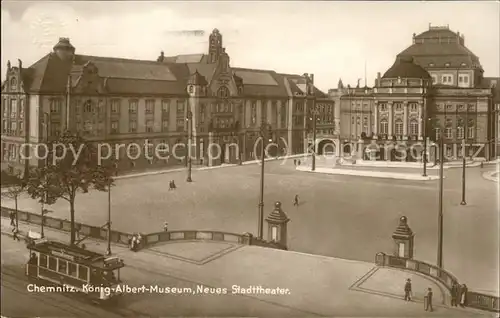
<point x="13" y="108"/>
<point x="13" y="127"/>
<point x="413" y="107"/>
<point x="470" y="107"/>
<point x="64" y="267"/>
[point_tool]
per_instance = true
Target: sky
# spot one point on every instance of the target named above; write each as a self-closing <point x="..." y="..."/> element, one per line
<point x="329" y="39"/>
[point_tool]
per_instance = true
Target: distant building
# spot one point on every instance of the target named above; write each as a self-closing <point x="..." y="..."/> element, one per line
<point x="123" y="101"/>
<point x="436" y="86"/>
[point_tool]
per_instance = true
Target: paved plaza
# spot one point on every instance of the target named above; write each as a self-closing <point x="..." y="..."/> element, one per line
<point x="341" y="216"/>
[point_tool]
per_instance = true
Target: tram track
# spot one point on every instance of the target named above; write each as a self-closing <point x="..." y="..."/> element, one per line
<point x="14" y="280"/>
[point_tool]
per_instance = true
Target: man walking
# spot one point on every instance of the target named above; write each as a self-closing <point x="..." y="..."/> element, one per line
<point x="15" y="232"/>
<point x="12" y="217"/>
<point x="408" y="290"/>
<point x="428" y="305"/>
<point x="296" y="200"/>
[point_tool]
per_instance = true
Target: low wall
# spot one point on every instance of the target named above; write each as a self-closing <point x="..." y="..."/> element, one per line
<point x="149" y="239"/>
<point x="474" y="299"/>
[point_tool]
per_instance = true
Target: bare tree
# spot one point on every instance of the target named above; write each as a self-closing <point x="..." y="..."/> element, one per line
<point x="14" y="190"/>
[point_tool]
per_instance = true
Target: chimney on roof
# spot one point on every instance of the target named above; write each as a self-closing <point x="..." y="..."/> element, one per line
<point x="161" y="57"/>
<point x="312" y="78"/>
<point x="378" y="78"/>
<point x="8" y="65"/>
<point x="20" y="63"/>
<point x="414" y="35"/>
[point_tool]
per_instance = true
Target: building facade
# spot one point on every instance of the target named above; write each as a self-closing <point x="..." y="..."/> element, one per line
<point x="120" y="102"/>
<point x="436" y="86"/>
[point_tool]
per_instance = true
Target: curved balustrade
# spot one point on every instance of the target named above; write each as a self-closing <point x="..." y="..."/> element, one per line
<point x="474" y="299"/>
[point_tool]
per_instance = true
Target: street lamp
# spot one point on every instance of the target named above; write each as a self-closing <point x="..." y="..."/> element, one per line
<point x="265" y="129"/>
<point x="108" y="251"/>
<point x="190" y="131"/>
<point x="314" y="120"/>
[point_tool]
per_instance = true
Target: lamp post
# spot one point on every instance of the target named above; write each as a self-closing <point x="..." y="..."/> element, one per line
<point x="424" y="128"/>
<point x="314" y="119"/>
<point x="108" y="251"/>
<point x="46" y="194"/>
<point x="440" y="211"/>
<point x="190" y="131"/>
<point x="463" y="202"/>
<point x="263" y="129"/>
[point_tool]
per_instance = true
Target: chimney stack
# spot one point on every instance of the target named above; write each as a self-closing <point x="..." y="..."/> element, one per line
<point x="378" y="78"/>
<point x="312" y="78"/>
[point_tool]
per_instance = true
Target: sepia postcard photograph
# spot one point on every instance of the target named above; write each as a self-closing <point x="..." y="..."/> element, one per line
<point x="250" y="159"/>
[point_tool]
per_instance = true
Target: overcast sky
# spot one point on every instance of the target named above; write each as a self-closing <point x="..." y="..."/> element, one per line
<point x="330" y="39"/>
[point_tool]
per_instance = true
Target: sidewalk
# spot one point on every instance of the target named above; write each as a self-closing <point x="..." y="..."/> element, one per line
<point x="224" y="165"/>
<point x="317" y="285"/>
<point x="369" y="173"/>
<point x="491" y="175"/>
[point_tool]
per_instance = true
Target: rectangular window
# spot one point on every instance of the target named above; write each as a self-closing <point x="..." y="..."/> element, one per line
<point x="13" y="108"/>
<point x="100" y="106"/>
<point x="202" y="113"/>
<point x="413" y="107"/>
<point x="55" y="128"/>
<point x="21" y="109"/>
<point x="383" y="107"/>
<point x="62" y="267"/>
<point x="132" y="106"/>
<point x="52" y="263"/>
<point x="115" y="106"/>
<point x="114" y="127"/>
<point x="165" y="106"/>
<point x="460" y="132"/>
<point x="43" y="260"/>
<point x="164" y="125"/>
<point x="132" y="127"/>
<point x="72" y="269"/>
<point x="88" y="107"/>
<point x="13" y="127"/>
<point x="180" y="108"/>
<point x="180" y="124"/>
<point x="150" y="106"/>
<point x="254" y="113"/>
<point x="449" y="132"/>
<point x="438" y="133"/>
<point x="470" y="132"/>
<point x="83" y="271"/>
<point x="149" y="126"/>
<point x="21" y="127"/>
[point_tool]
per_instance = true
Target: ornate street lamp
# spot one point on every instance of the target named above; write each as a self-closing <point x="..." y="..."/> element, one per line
<point x="266" y="133"/>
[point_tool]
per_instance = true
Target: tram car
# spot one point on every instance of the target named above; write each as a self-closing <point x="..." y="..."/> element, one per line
<point x="74" y="269"/>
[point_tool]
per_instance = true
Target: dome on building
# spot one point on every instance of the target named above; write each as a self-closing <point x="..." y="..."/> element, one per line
<point x="404" y="67"/>
<point x="64" y="44"/>
<point x="197" y="79"/>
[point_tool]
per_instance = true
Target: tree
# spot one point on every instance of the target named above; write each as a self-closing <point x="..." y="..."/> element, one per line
<point x="77" y="171"/>
<point x="14" y="190"/>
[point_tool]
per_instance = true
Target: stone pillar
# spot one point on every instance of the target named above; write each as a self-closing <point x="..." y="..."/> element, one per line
<point x="391" y="121"/>
<point x="375" y="119"/>
<point x="277" y="226"/>
<point x="420" y="120"/>
<point x="361" y="148"/>
<point x="405" y="121"/>
<point x="403" y="239"/>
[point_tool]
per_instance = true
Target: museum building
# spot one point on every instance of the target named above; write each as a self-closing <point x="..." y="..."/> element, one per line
<point x="125" y="101"/>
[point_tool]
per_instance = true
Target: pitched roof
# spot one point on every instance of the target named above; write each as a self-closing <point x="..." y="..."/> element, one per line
<point x="405" y="68"/>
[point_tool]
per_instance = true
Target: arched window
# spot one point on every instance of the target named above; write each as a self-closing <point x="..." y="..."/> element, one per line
<point x="398" y="125"/>
<point x="223" y="92"/>
<point x="384" y="126"/>
<point x="13" y="83"/>
<point x="470" y="128"/>
<point x="413" y="127"/>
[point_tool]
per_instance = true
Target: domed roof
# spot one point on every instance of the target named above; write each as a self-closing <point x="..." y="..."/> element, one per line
<point x="197" y="79"/>
<point x="64" y="44"/>
<point x="405" y="68"/>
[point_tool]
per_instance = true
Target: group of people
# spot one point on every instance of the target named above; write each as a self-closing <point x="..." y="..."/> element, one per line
<point x="172" y="185"/>
<point x="135" y="242"/>
<point x="458" y="295"/>
<point x="296" y="162"/>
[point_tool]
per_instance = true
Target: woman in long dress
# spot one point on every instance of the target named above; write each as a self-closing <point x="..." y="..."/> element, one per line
<point x="463" y="298"/>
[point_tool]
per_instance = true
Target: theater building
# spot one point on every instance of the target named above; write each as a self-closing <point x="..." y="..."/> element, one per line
<point x="123" y="101"/>
<point x="435" y="88"/>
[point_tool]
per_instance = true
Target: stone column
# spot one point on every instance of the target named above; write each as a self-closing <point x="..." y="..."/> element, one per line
<point x="391" y="121"/>
<point x="420" y="120"/>
<point x="375" y="124"/>
<point x="405" y="121"/>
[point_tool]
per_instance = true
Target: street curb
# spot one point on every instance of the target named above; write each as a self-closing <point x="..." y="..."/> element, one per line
<point x="371" y="174"/>
<point x="488" y="175"/>
<point x="143" y="174"/>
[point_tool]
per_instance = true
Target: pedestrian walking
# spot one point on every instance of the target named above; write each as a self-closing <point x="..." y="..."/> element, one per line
<point x="428" y="303"/>
<point x="454" y="294"/>
<point x="173" y="185"/>
<point x="165" y="227"/>
<point x="12" y="217"/>
<point x="408" y="290"/>
<point x="463" y="296"/>
<point x="298" y="162"/>
<point x="15" y="232"/>
<point x="295" y="162"/>
<point x="296" y="200"/>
